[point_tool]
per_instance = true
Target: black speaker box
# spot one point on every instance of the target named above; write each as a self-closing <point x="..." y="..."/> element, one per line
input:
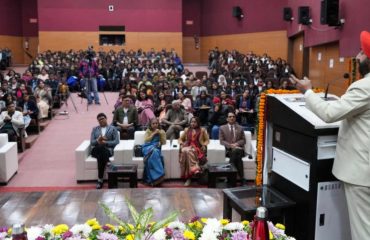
<point x="330" y="12"/>
<point x="304" y="15"/>
<point x="287" y="14"/>
<point x="237" y="11"/>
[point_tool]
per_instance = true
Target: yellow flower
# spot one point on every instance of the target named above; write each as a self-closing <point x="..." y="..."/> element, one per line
<point x="189" y="235"/>
<point x="271" y="236"/>
<point x="92" y="222"/>
<point x="110" y="226"/>
<point x="10" y="231"/>
<point x="196" y="224"/>
<point x="245" y="222"/>
<point x="224" y="221"/>
<point x="130" y="237"/>
<point x="131" y="226"/>
<point x="59" y="229"/>
<point x="204" y="220"/>
<point x="96" y="227"/>
<point x="280" y="226"/>
<point x="121" y="229"/>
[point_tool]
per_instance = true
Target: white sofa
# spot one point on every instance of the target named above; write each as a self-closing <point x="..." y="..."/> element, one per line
<point x="216" y="153"/>
<point x="8" y="159"/>
<point x="127" y="154"/>
<point x="86" y="165"/>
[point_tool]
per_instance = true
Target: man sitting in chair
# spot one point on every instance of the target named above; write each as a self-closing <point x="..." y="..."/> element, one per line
<point x="126" y="118"/>
<point x="233" y="138"/>
<point x="10" y="121"/>
<point x="103" y="140"/>
<point x="175" y="120"/>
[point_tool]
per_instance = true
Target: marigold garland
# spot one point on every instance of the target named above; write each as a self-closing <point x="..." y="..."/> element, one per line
<point x="261" y="128"/>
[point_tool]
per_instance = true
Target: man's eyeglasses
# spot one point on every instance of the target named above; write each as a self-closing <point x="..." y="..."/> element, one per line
<point x="101" y="119"/>
<point x="231" y="116"/>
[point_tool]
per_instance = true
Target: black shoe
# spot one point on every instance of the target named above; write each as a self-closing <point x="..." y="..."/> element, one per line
<point x="250" y="156"/>
<point x="97" y="103"/>
<point x="99" y="185"/>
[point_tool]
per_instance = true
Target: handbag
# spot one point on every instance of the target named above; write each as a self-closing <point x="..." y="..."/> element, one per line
<point x="138" y="151"/>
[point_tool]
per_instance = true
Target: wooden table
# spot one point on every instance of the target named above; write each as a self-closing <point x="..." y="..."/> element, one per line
<point x="121" y="172"/>
<point x="217" y="170"/>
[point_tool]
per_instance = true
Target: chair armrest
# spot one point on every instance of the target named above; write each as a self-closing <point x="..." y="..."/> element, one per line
<point x="248" y="143"/>
<point x="8" y="161"/>
<point x="216" y="152"/>
<point x="127" y="152"/>
<point x="119" y="151"/>
<point x="82" y="152"/>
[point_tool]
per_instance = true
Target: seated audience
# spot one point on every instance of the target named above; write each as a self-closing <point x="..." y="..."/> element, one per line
<point x="153" y="161"/>
<point x="186" y="103"/>
<point x="103" y="140"/>
<point x="125" y="118"/>
<point x="43" y="97"/>
<point x="197" y="88"/>
<point x="10" y="121"/>
<point x="193" y="148"/>
<point x="175" y="120"/>
<point x="233" y="138"/>
<point x="202" y="106"/>
<point x="160" y="106"/>
<point x="244" y="108"/>
<point x="145" y="108"/>
<point x="217" y="117"/>
<point x="30" y="111"/>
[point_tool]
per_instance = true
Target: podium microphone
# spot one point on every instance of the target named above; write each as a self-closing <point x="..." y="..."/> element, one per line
<point x="345" y="76"/>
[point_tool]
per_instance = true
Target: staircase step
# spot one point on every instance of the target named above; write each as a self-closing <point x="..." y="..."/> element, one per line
<point x="44" y="124"/>
<point x="30" y="140"/>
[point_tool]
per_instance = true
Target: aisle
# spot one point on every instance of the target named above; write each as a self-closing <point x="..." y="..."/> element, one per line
<point x="51" y="161"/>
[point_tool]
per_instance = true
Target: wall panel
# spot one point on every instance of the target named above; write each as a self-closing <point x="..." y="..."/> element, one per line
<point x="273" y="43"/>
<point x="190" y="53"/>
<point x="297" y="61"/>
<point x="16" y="45"/>
<point x="134" y="40"/>
<point x="321" y="72"/>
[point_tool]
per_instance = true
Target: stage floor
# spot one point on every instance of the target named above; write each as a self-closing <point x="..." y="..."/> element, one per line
<point x="76" y="206"/>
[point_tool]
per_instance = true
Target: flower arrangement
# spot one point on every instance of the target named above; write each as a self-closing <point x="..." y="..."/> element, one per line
<point x="166" y="229"/>
<point x="196" y="229"/>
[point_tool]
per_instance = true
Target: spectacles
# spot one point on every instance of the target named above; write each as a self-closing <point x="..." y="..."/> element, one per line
<point x="101" y="119"/>
<point x="231" y="116"/>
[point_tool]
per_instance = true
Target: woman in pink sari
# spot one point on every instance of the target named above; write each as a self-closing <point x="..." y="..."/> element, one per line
<point x="193" y="143"/>
<point x="145" y="108"/>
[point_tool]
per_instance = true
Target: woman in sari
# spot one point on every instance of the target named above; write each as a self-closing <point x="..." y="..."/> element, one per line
<point x="153" y="162"/>
<point x="193" y="143"/>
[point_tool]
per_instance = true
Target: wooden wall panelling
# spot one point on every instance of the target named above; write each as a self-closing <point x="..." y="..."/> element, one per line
<point x="297" y="56"/>
<point x="16" y="45"/>
<point x="273" y="43"/>
<point x="190" y="53"/>
<point x="321" y="73"/>
<point x="134" y="40"/>
<point x="33" y="43"/>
